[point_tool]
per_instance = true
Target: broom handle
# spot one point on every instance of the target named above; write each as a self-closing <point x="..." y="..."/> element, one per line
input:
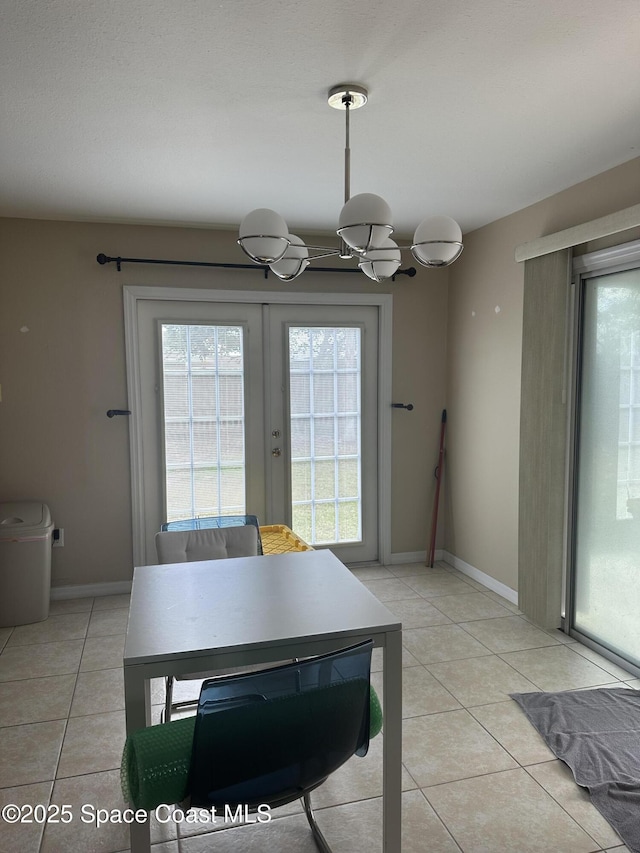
<point x="438" y="475"/>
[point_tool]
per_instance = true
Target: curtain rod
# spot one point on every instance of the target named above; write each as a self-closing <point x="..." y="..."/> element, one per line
<point x="105" y="259"/>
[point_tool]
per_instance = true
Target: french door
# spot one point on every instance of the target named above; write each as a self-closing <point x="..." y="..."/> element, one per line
<point x="264" y="409"/>
<point x="323" y="423"/>
<point x="604" y="592"/>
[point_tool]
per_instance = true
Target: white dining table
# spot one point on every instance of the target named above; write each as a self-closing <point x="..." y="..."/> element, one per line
<point x="216" y="614"/>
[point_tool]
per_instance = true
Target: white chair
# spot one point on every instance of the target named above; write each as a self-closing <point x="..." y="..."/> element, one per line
<point x="187" y="546"/>
<point x="214" y="543"/>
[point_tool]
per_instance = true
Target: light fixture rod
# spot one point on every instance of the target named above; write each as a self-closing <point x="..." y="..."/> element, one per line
<point x="347" y="149"/>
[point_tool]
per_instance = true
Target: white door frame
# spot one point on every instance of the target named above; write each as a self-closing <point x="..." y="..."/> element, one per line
<point x="132" y="294"/>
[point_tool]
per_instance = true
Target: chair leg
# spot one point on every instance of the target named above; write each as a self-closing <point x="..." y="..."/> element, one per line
<point x="168" y="697"/>
<point x="318" y="837"/>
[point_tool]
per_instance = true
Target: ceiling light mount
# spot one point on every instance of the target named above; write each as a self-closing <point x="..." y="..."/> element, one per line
<point x="365" y="225"/>
<point x="347" y="93"/>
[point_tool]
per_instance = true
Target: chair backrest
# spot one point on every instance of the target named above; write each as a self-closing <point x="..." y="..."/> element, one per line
<point x="270" y="736"/>
<point x="186" y="546"/>
<point x="204" y="522"/>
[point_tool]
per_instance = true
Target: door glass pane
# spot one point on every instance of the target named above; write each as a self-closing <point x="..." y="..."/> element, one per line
<point x="325" y="421"/>
<point x="204" y="443"/>
<point x="607" y="592"/>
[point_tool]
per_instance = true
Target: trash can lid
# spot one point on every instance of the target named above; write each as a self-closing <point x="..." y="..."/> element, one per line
<point x="23" y="518"/>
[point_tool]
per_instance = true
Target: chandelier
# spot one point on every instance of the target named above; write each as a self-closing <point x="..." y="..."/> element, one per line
<point x="365" y="225"/>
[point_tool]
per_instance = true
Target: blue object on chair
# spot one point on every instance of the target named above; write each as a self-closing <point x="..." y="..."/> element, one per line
<point x="272" y="736"/>
<point x="214" y="521"/>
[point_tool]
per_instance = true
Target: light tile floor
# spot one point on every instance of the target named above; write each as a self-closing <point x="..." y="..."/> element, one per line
<point x="477" y="777"/>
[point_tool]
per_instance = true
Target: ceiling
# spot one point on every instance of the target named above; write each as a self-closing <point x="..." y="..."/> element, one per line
<point x="194" y="112"/>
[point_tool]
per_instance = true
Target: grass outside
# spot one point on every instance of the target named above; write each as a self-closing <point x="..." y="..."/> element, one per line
<point x="316" y="523"/>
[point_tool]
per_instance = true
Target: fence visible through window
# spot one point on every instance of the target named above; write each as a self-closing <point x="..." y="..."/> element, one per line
<point x="204" y="420"/>
<point x="325" y="391"/>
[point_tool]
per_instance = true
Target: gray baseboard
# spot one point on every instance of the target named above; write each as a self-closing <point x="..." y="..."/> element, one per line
<point x="413" y="557"/>
<point x="90" y="590"/>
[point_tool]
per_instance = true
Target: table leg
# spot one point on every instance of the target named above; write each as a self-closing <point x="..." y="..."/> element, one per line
<point x="392" y="743"/>
<point x="137" y="703"/>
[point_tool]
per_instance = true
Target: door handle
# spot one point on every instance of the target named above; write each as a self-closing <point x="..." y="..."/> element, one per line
<point x="276" y="451"/>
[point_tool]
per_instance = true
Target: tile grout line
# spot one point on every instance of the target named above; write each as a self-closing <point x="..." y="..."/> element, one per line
<point x="66" y="722"/>
<point x="599" y="847"/>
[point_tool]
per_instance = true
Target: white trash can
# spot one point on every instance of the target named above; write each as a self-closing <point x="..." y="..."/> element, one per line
<point x="26" y="532"/>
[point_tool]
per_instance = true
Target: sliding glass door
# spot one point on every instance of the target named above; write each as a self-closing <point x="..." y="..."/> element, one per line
<point x="606" y="533"/>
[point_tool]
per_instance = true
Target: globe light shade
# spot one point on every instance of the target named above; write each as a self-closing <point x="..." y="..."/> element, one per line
<point x="264" y="235"/>
<point x="365" y="222"/>
<point x="381" y="263"/>
<point x="437" y="242"/>
<point x="294" y="261"/>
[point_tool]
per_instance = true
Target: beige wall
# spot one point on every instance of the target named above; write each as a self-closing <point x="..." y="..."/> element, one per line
<point x="483" y="368"/>
<point x="59" y="378"/>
